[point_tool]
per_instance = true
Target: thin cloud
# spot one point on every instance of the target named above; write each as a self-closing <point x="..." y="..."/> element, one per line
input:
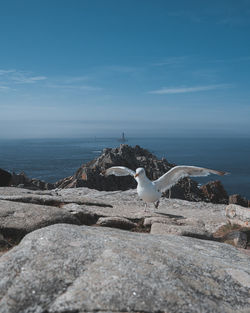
<point x="178" y="90"/>
<point x="4" y="87"/>
<point x="76" y="87"/>
<point x="4" y="72"/>
<point x="28" y="80"/>
<point x="19" y="77"/>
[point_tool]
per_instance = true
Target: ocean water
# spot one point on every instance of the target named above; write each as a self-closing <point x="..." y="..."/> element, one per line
<point x="53" y="159"/>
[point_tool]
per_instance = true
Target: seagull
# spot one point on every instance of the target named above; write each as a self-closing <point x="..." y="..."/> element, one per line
<point x="151" y="191"/>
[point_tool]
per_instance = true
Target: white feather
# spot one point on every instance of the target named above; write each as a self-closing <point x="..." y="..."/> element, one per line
<point x="169" y="179"/>
<point x="119" y="171"/>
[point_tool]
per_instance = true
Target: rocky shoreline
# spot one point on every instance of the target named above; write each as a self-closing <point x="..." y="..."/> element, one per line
<point x="90" y="175"/>
<point x="75" y="250"/>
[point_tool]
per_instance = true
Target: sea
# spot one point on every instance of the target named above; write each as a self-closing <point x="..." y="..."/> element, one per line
<point x="53" y="159"/>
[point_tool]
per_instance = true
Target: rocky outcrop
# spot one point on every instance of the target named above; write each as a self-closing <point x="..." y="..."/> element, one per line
<point x="215" y="192"/>
<point x="68" y="268"/>
<point x="21" y="180"/>
<point x="5" y="178"/>
<point x="90" y="174"/>
<point x="238" y="199"/>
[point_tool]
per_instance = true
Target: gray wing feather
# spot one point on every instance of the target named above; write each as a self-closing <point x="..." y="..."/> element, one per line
<point x="169" y="179"/>
<point x="119" y="171"/>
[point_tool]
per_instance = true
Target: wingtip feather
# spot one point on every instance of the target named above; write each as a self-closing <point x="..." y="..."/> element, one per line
<point x="222" y="173"/>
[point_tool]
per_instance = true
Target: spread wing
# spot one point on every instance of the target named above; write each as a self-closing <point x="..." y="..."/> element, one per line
<point x="169" y="179"/>
<point x="119" y="171"/>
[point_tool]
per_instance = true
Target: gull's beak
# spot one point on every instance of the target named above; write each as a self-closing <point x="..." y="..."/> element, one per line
<point x="136" y="175"/>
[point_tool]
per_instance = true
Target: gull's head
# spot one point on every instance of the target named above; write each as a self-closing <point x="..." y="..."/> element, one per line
<point x="140" y="172"/>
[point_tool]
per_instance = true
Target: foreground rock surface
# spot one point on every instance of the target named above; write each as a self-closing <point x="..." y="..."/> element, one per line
<point x="22" y="211"/>
<point x="68" y="268"/>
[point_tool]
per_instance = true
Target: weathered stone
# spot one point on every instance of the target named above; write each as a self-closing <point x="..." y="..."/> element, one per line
<point x="238" y="215"/>
<point x="184" y="230"/>
<point x="5" y="178"/>
<point x="66" y="268"/>
<point x="215" y="192"/>
<point x="88" y="205"/>
<point x="238" y="199"/>
<point x="18" y="219"/>
<point x="116" y="222"/>
<point x="148" y="221"/>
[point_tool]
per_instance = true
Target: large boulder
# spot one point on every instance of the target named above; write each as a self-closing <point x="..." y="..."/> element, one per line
<point x="18" y="219"/>
<point x="68" y="268"/>
<point x="5" y="178"/>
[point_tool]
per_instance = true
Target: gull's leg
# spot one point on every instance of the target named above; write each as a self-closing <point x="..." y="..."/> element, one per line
<point x="145" y="207"/>
<point x="157" y="204"/>
<point x="169" y="193"/>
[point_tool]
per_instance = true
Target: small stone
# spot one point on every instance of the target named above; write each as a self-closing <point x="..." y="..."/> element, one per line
<point x="197" y="231"/>
<point x="116" y="222"/>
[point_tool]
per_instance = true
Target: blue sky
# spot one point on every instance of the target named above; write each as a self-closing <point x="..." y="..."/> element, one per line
<point x="149" y="68"/>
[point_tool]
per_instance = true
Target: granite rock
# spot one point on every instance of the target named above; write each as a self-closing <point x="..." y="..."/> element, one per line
<point x="215" y="192"/>
<point x="23" y="181"/>
<point x="239" y="215"/>
<point x="68" y="268"/>
<point x="116" y="222"/>
<point x="18" y="219"/>
<point x="86" y="206"/>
